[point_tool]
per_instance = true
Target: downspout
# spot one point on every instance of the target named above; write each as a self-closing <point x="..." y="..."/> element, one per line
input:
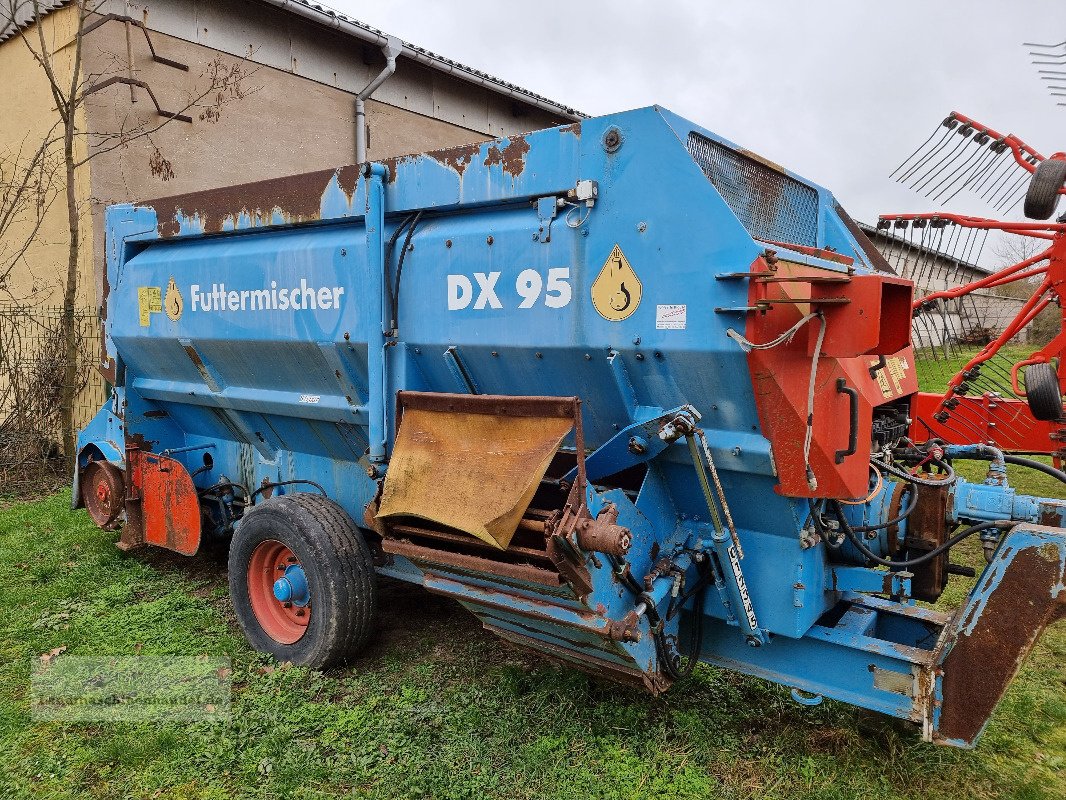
<point x="391" y="50"/>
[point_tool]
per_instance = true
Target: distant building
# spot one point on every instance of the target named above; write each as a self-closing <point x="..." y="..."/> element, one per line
<point x="972" y="319"/>
<point x="304" y="63"/>
<point x="307" y="64"/>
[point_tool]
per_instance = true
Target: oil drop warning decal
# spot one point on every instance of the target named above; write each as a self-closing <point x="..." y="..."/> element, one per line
<point x="173" y="302"/>
<point x="616" y="291"/>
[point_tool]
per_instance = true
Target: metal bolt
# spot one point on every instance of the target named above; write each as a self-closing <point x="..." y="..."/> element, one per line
<point x="418" y="351"/>
<point x="588" y="357"/>
<point x="540" y="355"/>
<point x="488" y="240"/>
<point x="643" y="226"/>
<point x="448" y="243"/>
<point x="636" y="340"/>
<point x="495" y="354"/>
<point x="344" y="252"/>
<point x="584" y="231"/>
<point x="736" y="451"/>
<point x="612" y="140"/>
<point x="658" y="356"/>
<point x="347" y="336"/>
<point x="639" y="356"/>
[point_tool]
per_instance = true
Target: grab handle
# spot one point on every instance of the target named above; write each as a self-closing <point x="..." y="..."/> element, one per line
<point x="853" y="417"/>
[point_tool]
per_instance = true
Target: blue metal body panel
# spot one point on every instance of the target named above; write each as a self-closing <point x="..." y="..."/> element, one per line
<point x="281" y="359"/>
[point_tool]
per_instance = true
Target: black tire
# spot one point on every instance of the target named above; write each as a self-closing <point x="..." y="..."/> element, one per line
<point x="1043" y="392"/>
<point x="339" y="570"/>
<point x="1042" y="196"/>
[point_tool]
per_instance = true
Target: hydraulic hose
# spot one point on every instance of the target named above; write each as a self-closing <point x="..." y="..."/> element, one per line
<point x="892" y="469"/>
<point x="922" y="559"/>
<point x="896" y="520"/>
<point x="1017" y="460"/>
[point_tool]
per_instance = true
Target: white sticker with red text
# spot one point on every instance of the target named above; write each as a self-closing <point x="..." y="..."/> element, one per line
<point x="671" y="317"/>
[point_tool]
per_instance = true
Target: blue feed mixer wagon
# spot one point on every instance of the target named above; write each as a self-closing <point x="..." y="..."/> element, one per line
<point x="632" y="395"/>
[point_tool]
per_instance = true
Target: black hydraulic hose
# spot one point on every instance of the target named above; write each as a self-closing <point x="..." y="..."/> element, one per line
<point x="1019" y="461"/>
<point x="904" y="475"/>
<point x="902" y="516"/>
<point x="399" y="270"/>
<point x="677" y="671"/>
<point x="925" y="557"/>
<point x="390" y="247"/>
<point x="1039" y="466"/>
<point x="223" y="485"/>
<point x="621" y="571"/>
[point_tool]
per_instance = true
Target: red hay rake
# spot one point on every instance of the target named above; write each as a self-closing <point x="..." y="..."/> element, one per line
<point x="993" y="338"/>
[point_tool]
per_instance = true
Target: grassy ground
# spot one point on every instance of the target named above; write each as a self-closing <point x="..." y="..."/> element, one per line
<point x="438" y="708"/>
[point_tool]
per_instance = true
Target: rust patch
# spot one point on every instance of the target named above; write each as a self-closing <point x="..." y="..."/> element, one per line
<point x="494" y="156"/>
<point x="468" y="564"/>
<point x="980" y="666"/>
<point x="514" y="156"/>
<point x="925" y="532"/>
<point x="297" y="198"/>
<point x="573" y="127"/>
<point x="456" y="158"/>
<point x="1051" y="514"/>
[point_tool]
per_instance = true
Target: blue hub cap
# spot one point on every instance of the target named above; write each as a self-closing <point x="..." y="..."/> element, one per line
<point x="292" y="586"/>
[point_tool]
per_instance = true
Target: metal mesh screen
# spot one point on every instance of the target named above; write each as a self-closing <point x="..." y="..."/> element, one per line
<point x="768" y="204"/>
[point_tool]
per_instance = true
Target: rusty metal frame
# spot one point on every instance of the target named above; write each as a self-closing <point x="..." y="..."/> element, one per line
<point x="96" y="87"/>
<point x="138" y="24"/>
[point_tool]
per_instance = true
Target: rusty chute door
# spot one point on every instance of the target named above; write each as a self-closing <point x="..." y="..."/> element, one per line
<point x="161" y="505"/>
<point x="473" y="462"/>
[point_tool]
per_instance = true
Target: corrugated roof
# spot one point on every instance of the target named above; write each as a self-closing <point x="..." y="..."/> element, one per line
<point x="339" y="21"/>
<point x="330" y="17"/>
<point x="23" y="15"/>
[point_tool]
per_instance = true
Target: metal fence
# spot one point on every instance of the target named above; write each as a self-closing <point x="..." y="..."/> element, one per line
<point x="31" y="382"/>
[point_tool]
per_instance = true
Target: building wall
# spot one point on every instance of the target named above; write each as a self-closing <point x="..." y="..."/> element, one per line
<point x="28" y="118"/>
<point x="296" y="115"/>
<point x="986" y="308"/>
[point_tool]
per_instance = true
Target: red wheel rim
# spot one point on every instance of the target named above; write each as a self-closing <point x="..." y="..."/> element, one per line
<point x="285" y="623"/>
<point x="102" y="493"/>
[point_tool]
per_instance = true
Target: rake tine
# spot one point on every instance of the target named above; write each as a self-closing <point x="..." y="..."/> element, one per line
<point x="979" y="174"/>
<point x="976" y="169"/>
<point x="916" y="151"/>
<point x="964" y="168"/>
<point x="1008" y="196"/>
<point x="943" y="163"/>
<point x="936" y="148"/>
<point x="1002" y="175"/>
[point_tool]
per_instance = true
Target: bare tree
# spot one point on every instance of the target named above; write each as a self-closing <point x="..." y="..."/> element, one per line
<point x="29" y="184"/>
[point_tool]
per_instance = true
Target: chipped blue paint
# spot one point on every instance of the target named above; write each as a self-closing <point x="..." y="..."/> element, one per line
<point x="304" y="389"/>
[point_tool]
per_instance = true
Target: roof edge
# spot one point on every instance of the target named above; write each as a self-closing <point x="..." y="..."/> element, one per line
<point x="330" y="18"/>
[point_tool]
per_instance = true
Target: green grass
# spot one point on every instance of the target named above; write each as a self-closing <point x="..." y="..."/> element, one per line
<point x="437" y="708"/>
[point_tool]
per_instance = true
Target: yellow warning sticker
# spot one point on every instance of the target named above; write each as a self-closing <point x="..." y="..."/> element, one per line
<point x="149" y="301"/>
<point x="890" y="378"/>
<point x="173" y="302"/>
<point x="617" y="289"/>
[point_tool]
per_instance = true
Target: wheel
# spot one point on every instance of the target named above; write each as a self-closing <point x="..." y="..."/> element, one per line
<point x="102" y="493"/>
<point x="1043" y="392"/>
<point x="302" y="580"/>
<point x="1042" y="196"/>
